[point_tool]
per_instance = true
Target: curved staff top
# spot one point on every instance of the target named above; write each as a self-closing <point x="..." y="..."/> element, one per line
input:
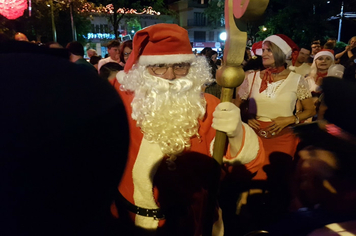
<point x="231" y="74"/>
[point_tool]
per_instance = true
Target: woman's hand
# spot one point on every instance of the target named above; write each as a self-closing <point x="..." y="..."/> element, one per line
<point x="254" y="124"/>
<point x="280" y="123"/>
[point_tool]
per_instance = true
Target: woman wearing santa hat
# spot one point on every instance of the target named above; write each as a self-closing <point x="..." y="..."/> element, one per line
<point x="273" y="93"/>
<point x="323" y="60"/>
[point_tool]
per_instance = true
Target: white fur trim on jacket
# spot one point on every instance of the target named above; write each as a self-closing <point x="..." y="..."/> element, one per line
<point x="248" y="152"/>
<point x="250" y="148"/>
<point x="120" y="75"/>
<point x="145" y="167"/>
<point x="166" y="59"/>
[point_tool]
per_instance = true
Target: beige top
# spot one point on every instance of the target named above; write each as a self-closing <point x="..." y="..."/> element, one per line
<point x="278" y="100"/>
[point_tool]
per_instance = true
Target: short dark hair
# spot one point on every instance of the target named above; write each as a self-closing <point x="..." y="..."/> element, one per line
<point x="329" y="45"/>
<point x="94" y="60"/>
<point x="75" y="48"/>
<point x="315" y="42"/>
<point x="113" y="43"/>
<point x="210" y="53"/>
<point x="108" y="68"/>
<point x="205" y="50"/>
<point x="305" y="46"/>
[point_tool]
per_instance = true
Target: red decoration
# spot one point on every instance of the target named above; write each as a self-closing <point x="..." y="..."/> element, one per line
<point x="12" y="9"/>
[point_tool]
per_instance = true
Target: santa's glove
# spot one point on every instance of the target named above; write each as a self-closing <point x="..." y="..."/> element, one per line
<point x="226" y="118"/>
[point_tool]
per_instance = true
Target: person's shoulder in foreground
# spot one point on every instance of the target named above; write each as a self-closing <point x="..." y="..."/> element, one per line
<point x="64" y="140"/>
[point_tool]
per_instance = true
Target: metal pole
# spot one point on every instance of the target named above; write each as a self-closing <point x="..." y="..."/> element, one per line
<point x="54" y="33"/>
<point x="340" y="21"/>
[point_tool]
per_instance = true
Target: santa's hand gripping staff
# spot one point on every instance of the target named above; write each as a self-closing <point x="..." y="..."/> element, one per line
<point x="169" y="116"/>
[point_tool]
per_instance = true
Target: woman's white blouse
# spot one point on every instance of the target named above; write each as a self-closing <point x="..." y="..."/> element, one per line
<point x="313" y="87"/>
<point x="279" y="98"/>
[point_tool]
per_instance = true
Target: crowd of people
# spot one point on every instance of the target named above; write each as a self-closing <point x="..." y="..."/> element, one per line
<point x="123" y="145"/>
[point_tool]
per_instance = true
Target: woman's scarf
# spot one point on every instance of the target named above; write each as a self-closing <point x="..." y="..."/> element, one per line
<point x="267" y="78"/>
<point x="320" y="75"/>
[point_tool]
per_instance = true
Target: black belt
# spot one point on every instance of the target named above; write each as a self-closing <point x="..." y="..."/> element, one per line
<point x="157" y="214"/>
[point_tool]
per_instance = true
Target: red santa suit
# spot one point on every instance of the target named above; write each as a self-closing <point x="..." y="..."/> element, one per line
<point x="144" y="158"/>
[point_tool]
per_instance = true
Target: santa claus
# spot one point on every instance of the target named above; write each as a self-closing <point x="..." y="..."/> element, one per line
<point x="169" y="116"/>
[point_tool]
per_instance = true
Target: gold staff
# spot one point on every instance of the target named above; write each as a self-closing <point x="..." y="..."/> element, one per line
<point x="231" y="74"/>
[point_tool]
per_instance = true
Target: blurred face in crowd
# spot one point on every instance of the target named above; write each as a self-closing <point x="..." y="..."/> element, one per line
<point x="91" y="53"/>
<point x="267" y="56"/>
<point x="127" y="52"/>
<point x="303" y="55"/>
<point x="315" y="48"/>
<point x="323" y="63"/>
<point x="315" y="171"/>
<point x="333" y="41"/>
<point x="214" y="57"/>
<point x="114" y="53"/>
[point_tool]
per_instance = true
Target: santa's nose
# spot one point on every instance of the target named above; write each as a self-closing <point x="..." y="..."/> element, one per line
<point x="169" y="74"/>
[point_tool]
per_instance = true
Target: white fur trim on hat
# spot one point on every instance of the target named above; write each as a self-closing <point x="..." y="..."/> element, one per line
<point x="166" y="59"/>
<point x="324" y="53"/>
<point x="259" y="52"/>
<point x="283" y="45"/>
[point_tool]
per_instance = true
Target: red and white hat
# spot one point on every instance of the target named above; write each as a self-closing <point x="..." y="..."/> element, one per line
<point x="284" y="43"/>
<point x="256" y="49"/>
<point x="160" y="44"/>
<point x="325" y="52"/>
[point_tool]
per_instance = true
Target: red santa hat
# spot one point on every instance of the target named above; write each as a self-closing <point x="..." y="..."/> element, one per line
<point x="288" y="47"/>
<point x="160" y="44"/>
<point x="325" y="52"/>
<point x="256" y="49"/>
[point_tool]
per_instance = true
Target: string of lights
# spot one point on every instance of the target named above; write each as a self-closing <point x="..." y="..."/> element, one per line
<point x="109" y="9"/>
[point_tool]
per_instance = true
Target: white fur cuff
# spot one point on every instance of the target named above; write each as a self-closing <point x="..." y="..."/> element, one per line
<point x="250" y="148"/>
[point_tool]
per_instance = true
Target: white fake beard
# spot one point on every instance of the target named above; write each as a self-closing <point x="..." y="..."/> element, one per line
<point x="168" y="112"/>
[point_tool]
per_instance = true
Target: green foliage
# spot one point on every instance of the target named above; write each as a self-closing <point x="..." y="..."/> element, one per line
<point x="302" y="20"/>
<point x="133" y="24"/>
<point x="215" y="13"/>
<point x="340" y="45"/>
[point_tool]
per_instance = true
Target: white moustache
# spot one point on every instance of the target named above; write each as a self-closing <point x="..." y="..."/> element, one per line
<point x="175" y="86"/>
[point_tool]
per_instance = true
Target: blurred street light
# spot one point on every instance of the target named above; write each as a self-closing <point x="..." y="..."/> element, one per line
<point x="222" y="36"/>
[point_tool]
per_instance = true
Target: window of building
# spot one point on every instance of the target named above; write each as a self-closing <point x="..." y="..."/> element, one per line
<point x="211" y="36"/>
<point x="93" y="28"/>
<point x="97" y="29"/>
<point x="101" y="28"/>
<point x="199" y="19"/>
<point x="199" y="36"/>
